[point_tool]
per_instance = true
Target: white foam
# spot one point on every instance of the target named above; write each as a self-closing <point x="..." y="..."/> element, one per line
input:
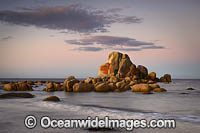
<point x="116" y="114"/>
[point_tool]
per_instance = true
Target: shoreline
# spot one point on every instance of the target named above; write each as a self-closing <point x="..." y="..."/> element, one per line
<point x="21" y="109"/>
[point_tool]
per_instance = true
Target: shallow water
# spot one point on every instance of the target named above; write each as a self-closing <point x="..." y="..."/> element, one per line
<point x="177" y="103"/>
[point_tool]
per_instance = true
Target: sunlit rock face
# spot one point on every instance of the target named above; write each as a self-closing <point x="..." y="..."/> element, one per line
<point x="119" y="65"/>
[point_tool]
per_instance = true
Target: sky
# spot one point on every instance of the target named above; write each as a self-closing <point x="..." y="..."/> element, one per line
<point x="59" y="38"/>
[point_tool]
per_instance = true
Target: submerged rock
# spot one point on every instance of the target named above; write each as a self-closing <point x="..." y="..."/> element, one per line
<point x="52" y="99"/>
<point x="16" y="95"/>
<point x="190" y="89"/>
<point x="159" y="90"/>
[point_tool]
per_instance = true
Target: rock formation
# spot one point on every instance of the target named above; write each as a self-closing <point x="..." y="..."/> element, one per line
<point x="19" y="86"/>
<point x="118" y="64"/>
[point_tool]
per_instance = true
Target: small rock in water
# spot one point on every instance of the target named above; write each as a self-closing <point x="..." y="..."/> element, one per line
<point x="190" y="89"/>
<point x="159" y="90"/>
<point x="52" y="99"/>
<point x="184" y="93"/>
<point x="16" y="95"/>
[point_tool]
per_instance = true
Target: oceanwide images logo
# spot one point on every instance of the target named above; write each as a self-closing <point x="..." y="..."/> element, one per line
<point x="30" y="121"/>
<point x="127" y="124"/>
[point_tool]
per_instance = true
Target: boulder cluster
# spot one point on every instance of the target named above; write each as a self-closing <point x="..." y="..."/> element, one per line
<point x="53" y="86"/>
<point x="118" y="74"/>
<point x="110" y="84"/>
<point x="18" y="86"/>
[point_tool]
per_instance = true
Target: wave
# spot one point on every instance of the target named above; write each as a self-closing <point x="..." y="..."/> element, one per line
<point x="118" y="113"/>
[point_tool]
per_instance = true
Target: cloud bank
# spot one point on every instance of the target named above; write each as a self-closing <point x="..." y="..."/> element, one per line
<point x="72" y="17"/>
<point x="98" y="43"/>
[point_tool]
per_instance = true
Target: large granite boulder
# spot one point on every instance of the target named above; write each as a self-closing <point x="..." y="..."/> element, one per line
<point x="141" y="88"/>
<point x="69" y="83"/>
<point x="83" y="87"/>
<point x="143" y="71"/>
<point x="118" y="64"/>
<point x="102" y="87"/>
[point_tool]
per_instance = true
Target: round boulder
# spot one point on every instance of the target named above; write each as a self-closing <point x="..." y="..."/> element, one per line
<point x="68" y="85"/>
<point x="83" y="87"/>
<point x="102" y="87"/>
<point x="152" y="76"/>
<point x="52" y="99"/>
<point x="141" y="88"/>
<point x="10" y="87"/>
<point x="143" y="71"/>
<point x="122" y="86"/>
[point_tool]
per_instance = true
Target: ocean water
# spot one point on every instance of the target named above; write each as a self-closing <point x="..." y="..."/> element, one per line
<point x="177" y="103"/>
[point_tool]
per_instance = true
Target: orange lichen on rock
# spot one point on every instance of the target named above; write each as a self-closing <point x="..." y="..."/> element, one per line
<point x="104" y="68"/>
